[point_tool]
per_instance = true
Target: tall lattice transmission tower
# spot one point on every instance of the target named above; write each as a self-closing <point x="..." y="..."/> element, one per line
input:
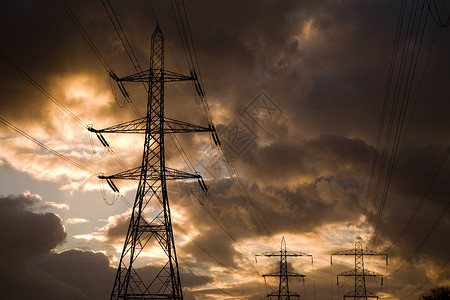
<point x="283" y="274"/>
<point x="359" y="273"/>
<point x="150" y="222"/>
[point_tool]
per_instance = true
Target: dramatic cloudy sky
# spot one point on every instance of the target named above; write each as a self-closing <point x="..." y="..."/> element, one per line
<point x="303" y="97"/>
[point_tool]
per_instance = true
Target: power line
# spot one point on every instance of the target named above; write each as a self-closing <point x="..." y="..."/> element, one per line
<point x="41" y="144"/>
<point x="396" y="117"/>
<point x="441" y="269"/>
<point x="385" y="104"/>
<point x="183" y="26"/>
<point x="96" y="51"/>
<point x="53" y="99"/>
<point x="41" y="89"/>
<point x="121" y="33"/>
<point x="206" y="279"/>
<point x="399" y="88"/>
<point x="437" y="19"/>
<point x="424" y="197"/>
<point x="425" y="239"/>
<point x="223" y="225"/>
<point x="83" y="32"/>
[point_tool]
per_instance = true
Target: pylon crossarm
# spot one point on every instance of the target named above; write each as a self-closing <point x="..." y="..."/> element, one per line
<point x="292" y="253"/>
<point x="139" y="126"/>
<point x="143" y="76"/>
<point x="135" y="174"/>
<point x="289" y="274"/>
<point x="358" y="252"/>
<point x="175" y="126"/>
<point x="152" y="188"/>
<point x="352" y="273"/>
<point x="172" y="174"/>
<point x="170" y="76"/>
<point x="274" y="294"/>
<point x="287" y="253"/>
<point x="135" y="126"/>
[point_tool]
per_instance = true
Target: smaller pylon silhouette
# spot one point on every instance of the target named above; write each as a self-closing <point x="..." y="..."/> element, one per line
<point x="359" y="273"/>
<point x="283" y="274"/>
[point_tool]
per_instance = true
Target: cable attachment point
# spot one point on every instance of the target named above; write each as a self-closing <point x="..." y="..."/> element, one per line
<point x="197" y="85"/>
<point x="91" y="128"/>
<point x="214" y="135"/>
<point x="202" y="184"/>
<point x="120" y="84"/>
<point x="100" y="177"/>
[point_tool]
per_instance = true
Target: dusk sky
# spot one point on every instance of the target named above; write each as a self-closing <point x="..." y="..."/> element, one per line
<point x="335" y="114"/>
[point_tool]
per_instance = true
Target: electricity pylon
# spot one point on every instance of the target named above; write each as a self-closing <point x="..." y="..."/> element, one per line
<point x="283" y="274"/>
<point x="359" y="273"/>
<point x="152" y="176"/>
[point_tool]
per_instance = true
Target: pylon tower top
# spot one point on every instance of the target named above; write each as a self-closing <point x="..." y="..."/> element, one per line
<point x="150" y="221"/>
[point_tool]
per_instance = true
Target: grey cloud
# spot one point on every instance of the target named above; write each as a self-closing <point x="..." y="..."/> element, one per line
<point x="31" y="269"/>
<point x="330" y="90"/>
<point x="324" y="156"/>
<point x="27" y="233"/>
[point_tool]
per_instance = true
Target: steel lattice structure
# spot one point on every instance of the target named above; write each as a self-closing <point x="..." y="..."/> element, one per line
<point x="359" y="273"/>
<point x="283" y="274"/>
<point x="152" y="176"/>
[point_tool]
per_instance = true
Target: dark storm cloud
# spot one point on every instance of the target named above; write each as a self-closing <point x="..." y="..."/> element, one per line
<point x="46" y="45"/>
<point x="324" y="63"/>
<point x="419" y="189"/>
<point x="27" y="233"/>
<point x="30" y="269"/>
<point x="324" y="156"/>
<point x="213" y="243"/>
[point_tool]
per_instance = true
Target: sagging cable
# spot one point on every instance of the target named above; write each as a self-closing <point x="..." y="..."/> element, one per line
<point x="197" y="85"/>
<point x="102" y="190"/>
<point x="197" y="195"/>
<point x="91" y="140"/>
<point x="119" y="84"/>
<point x="114" y="92"/>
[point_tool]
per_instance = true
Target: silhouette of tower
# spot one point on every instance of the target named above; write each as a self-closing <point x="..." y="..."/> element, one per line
<point x="152" y="190"/>
<point x="283" y="274"/>
<point x="359" y="273"/>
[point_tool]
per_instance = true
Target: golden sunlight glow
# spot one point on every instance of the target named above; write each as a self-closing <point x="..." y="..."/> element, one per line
<point x="308" y="29"/>
<point x="82" y="86"/>
<point x="308" y="33"/>
<point x="76" y="221"/>
<point x="89" y="237"/>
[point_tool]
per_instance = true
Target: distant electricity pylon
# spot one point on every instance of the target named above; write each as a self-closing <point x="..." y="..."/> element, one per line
<point x="359" y="273"/>
<point x="164" y="283"/>
<point x="283" y="274"/>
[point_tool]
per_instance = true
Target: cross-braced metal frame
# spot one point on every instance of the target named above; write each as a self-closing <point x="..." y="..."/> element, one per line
<point x="359" y="273"/>
<point x="152" y="189"/>
<point x="283" y="286"/>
